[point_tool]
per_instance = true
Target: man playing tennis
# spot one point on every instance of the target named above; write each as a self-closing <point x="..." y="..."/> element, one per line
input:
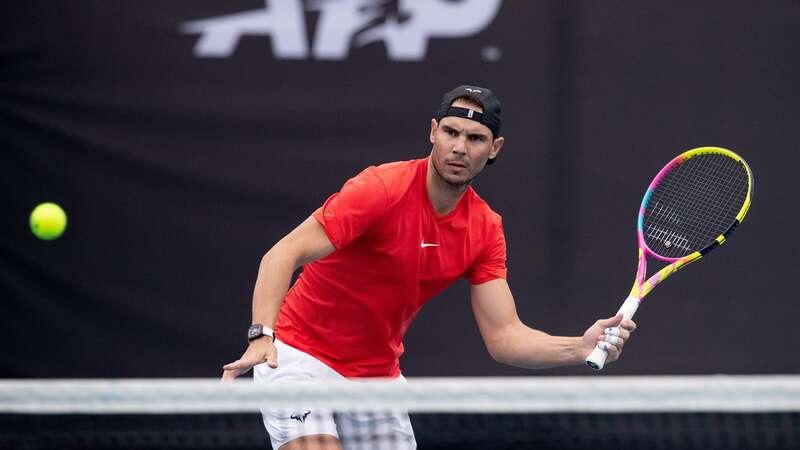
<point x="393" y="237"/>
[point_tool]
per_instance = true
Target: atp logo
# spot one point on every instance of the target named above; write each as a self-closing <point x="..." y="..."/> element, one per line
<point x="404" y="26"/>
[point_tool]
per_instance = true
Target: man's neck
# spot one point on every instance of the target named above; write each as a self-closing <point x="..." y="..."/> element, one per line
<point x="444" y="197"/>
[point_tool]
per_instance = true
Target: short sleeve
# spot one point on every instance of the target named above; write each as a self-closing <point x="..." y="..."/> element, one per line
<point x="347" y="214"/>
<point x="491" y="264"/>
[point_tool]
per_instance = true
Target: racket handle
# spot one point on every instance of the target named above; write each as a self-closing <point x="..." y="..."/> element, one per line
<point x="597" y="359"/>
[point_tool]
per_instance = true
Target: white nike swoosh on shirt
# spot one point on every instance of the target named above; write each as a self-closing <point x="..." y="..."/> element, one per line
<point x="425" y="244"/>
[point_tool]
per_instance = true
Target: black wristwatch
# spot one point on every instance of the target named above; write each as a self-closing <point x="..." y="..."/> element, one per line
<point x="257" y="330"/>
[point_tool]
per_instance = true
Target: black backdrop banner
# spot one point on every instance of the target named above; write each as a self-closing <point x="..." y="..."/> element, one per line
<point x="184" y="138"/>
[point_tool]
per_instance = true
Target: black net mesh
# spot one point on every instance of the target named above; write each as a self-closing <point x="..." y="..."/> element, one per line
<point x="694" y="203"/>
<point x="773" y="430"/>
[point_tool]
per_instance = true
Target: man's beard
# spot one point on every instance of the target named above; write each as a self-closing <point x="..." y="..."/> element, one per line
<point x="461" y="185"/>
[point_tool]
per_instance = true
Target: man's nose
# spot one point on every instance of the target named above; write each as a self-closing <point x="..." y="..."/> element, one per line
<point x="460" y="146"/>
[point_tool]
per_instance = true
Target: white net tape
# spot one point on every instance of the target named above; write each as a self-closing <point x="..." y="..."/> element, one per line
<point x="621" y="394"/>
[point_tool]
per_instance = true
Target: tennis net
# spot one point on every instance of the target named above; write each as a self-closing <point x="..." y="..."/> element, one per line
<point x="687" y="412"/>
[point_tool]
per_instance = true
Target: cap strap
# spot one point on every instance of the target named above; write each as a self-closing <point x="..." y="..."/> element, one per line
<point x="465" y="113"/>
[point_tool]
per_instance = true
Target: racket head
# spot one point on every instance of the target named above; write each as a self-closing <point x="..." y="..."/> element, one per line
<point x="694" y="203"/>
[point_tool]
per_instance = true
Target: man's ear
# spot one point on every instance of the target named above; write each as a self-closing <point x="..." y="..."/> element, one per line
<point x="497" y="144"/>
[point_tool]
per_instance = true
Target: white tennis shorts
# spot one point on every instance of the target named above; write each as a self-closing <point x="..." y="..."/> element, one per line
<point x="378" y="431"/>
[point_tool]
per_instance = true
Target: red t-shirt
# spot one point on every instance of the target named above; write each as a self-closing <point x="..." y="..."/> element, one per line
<point x="352" y="308"/>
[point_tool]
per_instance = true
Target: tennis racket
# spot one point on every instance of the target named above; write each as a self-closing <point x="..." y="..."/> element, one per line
<point x="689" y="209"/>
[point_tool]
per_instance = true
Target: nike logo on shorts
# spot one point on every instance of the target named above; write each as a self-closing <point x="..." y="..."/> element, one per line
<point x="300" y="417"/>
<point x="424" y="244"/>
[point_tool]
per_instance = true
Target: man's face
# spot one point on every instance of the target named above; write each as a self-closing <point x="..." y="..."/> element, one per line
<point x="461" y="147"/>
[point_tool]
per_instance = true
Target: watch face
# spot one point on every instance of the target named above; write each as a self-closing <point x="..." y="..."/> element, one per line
<point x="255" y="331"/>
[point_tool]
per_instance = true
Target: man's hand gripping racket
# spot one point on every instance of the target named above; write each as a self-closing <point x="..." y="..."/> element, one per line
<point x="689" y="209"/>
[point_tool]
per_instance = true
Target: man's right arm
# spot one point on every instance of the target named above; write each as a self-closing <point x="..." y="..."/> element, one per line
<point x="305" y="244"/>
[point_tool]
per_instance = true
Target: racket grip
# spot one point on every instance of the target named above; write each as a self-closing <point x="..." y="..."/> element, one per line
<point x="597" y="359"/>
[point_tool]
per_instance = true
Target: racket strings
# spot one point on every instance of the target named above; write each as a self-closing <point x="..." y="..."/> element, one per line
<point x="694" y="203"/>
<point x="707" y="189"/>
<point x="701" y="187"/>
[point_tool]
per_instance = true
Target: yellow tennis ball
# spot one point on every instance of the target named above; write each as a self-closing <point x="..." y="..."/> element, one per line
<point x="48" y="221"/>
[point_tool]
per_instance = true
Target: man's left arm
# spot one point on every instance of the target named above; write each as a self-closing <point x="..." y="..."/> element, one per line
<point x="511" y="342"/>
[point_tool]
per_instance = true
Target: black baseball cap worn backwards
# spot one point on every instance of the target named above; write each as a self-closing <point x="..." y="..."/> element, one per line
<point x="491" y="116"/>
<point x="491" y="107"/>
